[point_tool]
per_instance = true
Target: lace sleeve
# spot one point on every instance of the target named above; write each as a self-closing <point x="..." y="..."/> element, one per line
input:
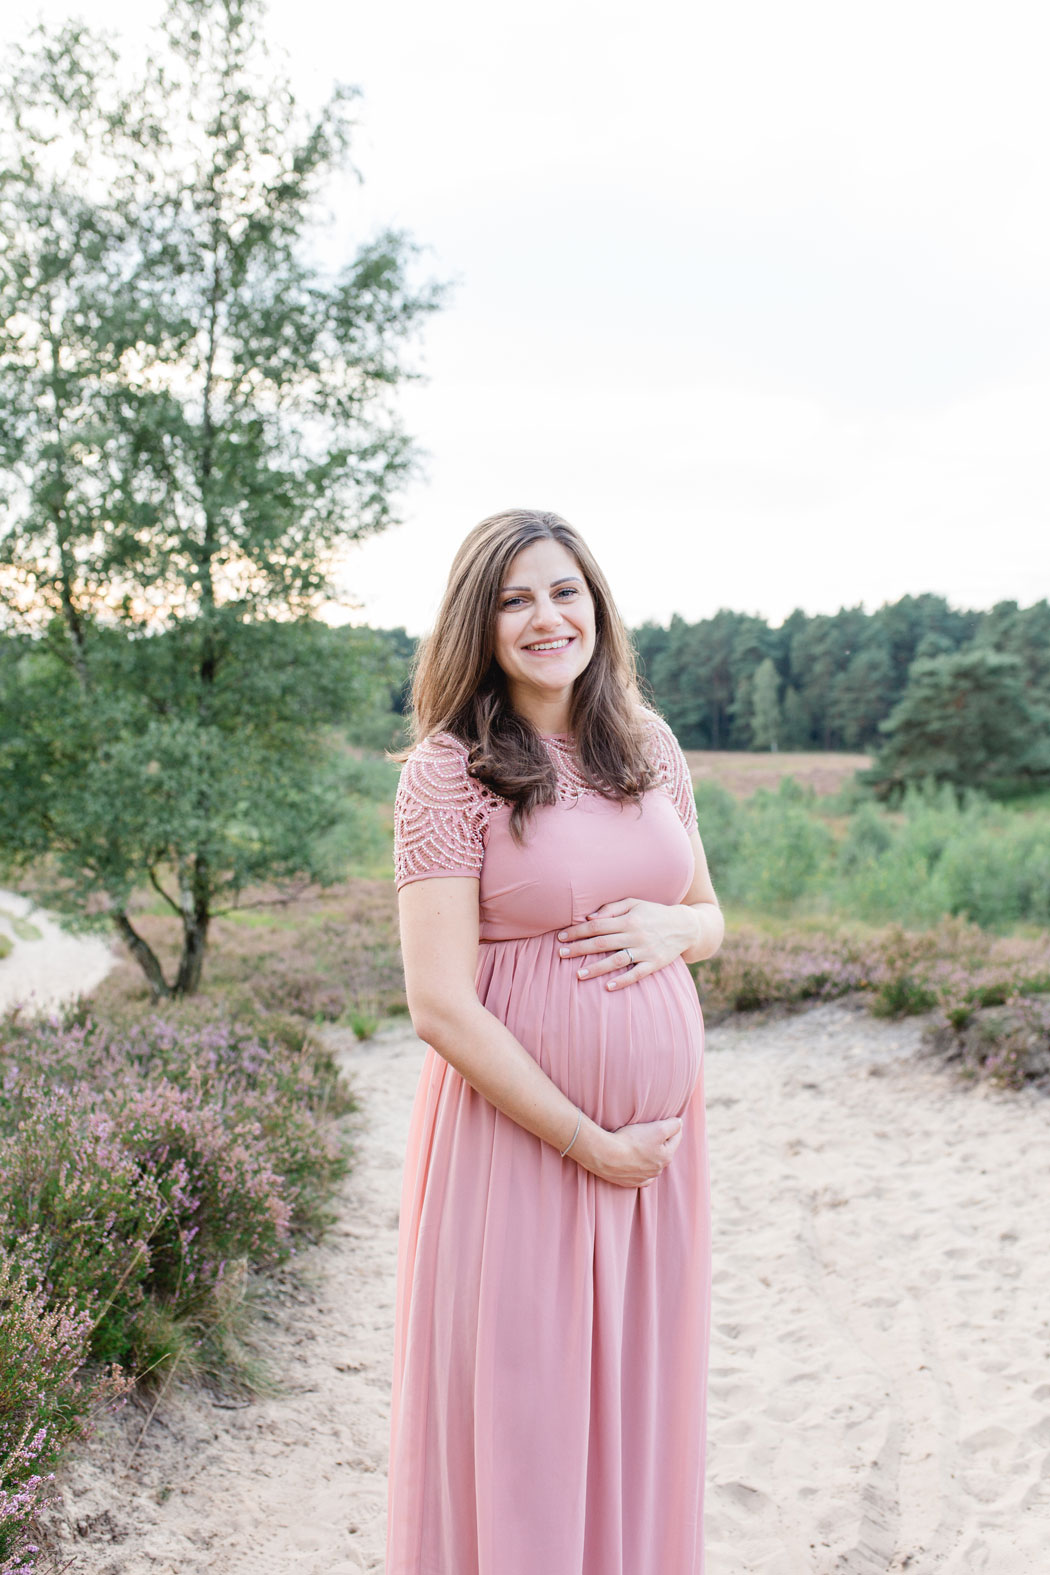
<point x="670" y="765"/>
<point x="440" y="814"/>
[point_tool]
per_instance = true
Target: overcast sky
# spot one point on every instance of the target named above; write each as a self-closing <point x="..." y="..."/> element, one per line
<point x="756" y="294"/>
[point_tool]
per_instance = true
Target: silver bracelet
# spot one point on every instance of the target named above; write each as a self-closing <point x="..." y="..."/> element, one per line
<point x="575" y="1135"/>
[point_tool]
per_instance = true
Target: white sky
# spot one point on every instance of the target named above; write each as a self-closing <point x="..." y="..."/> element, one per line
<point x="755" y="294"/>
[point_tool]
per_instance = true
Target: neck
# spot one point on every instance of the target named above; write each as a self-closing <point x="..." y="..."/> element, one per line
<point x="547" y="713"/>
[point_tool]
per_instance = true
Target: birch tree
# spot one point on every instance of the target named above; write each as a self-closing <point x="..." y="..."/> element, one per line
<point x="196" y="418"/>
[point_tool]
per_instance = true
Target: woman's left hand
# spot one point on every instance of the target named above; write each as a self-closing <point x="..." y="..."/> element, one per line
<point x="654" y="934"/>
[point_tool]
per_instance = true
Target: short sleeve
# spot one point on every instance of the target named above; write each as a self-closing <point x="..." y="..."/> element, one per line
<point x="440" y="814"/>
<point x="669" y="763"/>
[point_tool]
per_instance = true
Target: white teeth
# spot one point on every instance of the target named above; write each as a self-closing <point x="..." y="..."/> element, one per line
<point x="548" y="645"/>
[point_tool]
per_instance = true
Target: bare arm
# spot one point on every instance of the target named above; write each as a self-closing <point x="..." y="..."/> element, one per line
<point x="700" y="899"/>
<point x="439" y="944"/>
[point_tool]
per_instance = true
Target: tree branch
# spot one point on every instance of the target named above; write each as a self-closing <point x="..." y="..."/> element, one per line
<point x="292" y="895"/>
<point x="168" y="898"/>
<point x="144" y="955"/>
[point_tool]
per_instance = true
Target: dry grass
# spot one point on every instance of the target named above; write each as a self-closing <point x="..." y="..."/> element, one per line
<point x="742" y="773"/>
<point x="331" y="955"/>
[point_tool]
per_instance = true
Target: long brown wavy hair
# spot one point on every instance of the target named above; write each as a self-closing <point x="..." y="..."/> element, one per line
<point x="458" y="686"/>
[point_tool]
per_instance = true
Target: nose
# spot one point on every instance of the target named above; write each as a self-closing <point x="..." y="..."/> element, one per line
<point x="545" y="615"/>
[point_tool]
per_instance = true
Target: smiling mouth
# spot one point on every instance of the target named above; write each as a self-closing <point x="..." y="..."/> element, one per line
<point x="544" y="647"/>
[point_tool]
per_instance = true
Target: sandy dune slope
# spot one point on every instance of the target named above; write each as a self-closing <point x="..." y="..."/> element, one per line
<point x="44" y="969"/>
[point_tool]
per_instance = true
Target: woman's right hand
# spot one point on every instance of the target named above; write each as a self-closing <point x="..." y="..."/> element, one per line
<point x="634" y="1156"/>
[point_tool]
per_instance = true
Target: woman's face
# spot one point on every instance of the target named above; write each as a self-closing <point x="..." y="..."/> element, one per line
<point x="544" y="624"/>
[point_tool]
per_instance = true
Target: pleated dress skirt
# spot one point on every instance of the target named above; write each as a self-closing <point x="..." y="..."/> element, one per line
<point x="551" y="1347"/>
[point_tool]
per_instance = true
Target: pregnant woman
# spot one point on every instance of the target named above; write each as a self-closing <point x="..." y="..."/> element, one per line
<point x="553" y="1292"/>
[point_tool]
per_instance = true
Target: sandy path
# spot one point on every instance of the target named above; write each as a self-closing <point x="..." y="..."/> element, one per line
<point x="296" y="1482"/>
<point x="880" y="1386"/>
<point x="52" y="967"/>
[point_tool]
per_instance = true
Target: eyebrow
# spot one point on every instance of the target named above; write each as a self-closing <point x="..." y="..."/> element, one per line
<point x="565" y="579"/>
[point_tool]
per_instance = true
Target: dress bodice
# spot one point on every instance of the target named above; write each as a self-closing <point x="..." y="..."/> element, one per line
<point x="579" y="852"/>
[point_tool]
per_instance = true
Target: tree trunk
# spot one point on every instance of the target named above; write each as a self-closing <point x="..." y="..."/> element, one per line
<point x="195" y="894"/>
<point x="66" y="561"/>
<point x="74" y="623"/>
<point x="191" y="963"/>
<point x="144" y="955"/>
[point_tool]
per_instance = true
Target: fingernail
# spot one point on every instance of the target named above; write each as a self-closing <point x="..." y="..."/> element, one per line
<point x="611" y="986"/>
<point x="564" y="951"/>
<point x="582" y="973"/>
<point x="561" y="935"/>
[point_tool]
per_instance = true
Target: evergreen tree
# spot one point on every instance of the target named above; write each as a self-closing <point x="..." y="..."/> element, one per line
<point x="741" y="734"/>
<point x="795" y="721"/>
<point x="840" y="675"/>
<point x="968" y="720"/>
<point x="1024" y="633"/>
<point x="862" y="696"/>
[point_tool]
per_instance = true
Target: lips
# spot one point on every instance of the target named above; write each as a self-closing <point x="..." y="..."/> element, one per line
<point x="549" y="647"/>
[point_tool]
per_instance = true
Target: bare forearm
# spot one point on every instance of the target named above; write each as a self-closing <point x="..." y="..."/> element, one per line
<point x="485" y="1052"/>
<point x="439" y="943"/>
<point x="708" y="927"/>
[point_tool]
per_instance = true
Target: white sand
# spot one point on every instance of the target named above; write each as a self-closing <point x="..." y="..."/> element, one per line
<point x="42" y="974"/>
<point x="880" y="1372"/>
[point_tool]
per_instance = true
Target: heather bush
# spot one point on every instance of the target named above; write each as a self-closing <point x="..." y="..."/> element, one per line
<point x="221" y="1196"/>
<point x="1008" y="1043"/>
<point x="954" y="972"/>
<point x="280" y="1088"/>
<point x="136" y="1165"/>
<point x="44" y="1402"/>
<point x="145" y="1168"/>
<point x="759" y="968"/>
<point x="300" y="994"/>
<point x="78" y="1210"/>
<point x="279" y="968"/>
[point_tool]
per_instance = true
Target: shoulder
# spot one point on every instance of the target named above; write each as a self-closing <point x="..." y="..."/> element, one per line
<point x="440" y="812"/>
<point x="436" y="768"/>
<point x="669" y="762"/>
<point x="663" y="746"/>
<point x="653" y="721"/>
<point x="437" y="771"/>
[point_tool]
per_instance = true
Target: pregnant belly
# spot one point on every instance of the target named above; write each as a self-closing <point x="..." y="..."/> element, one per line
<point x="621" y="1055"/>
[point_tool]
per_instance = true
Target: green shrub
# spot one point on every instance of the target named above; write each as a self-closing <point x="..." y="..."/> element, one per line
<point x="902" y="995"/>
<point x="719" y="817"/>
<point x="784" y="850"/>
<point x="1000" y="875"/>
<point x="938" y="856"/>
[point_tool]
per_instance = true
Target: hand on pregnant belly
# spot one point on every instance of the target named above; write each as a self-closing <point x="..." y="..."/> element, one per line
<point x="635" y="1155"/>
<point x="652" y="932"/>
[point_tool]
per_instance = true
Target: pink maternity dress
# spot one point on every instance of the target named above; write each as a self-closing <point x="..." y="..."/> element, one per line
<point x="550" y="1363"/>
